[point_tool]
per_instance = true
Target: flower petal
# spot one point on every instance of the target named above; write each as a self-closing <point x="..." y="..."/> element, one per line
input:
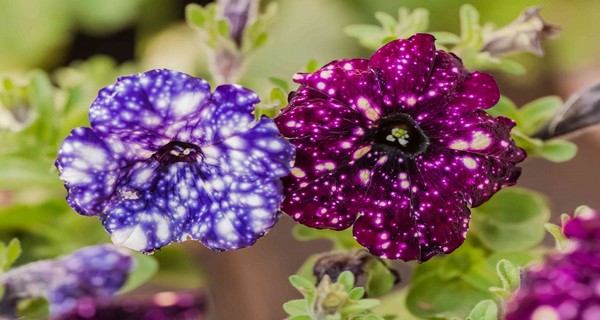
<point x="403" y="68"/>
<point x="472" y="176"/>
<point x="477" y="132"/>
<point x="229" y="113"/>
<point x="150" y="108"/>
<point x="227" y="201"/>
<point x="88" y="167"/>
<point x="326" y="134"/>
<point x="97" y="271"/>
<point x="350" y="82"/>
<point x="477" y="91"/>
<point x="409" y="218"/>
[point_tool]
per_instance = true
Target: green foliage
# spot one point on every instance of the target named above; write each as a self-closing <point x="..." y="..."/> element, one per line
<point x="9" y="254"/>
<point x="509" y="277"/>
<point x="512" y="220"/>
<point x="341" y="239"/>
<point x="450" y="286"/>
<point x="380" y="279"/>
<point x="144" y="268"/>
<point x="530" y="118"/>
<point x="485" y="310"/>
<point x="35" y="308"/>
<point x="407" y="24"/>
<point x="330" y="300"/>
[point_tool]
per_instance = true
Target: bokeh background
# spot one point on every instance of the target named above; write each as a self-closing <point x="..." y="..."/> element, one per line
<point x="58" y="36"/>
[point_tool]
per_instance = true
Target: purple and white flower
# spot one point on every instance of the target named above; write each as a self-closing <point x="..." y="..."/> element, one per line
<point x="398" y="146"/>
<point x="95" y="272"/>
<point x="567" y="285"/>
<point x="166" y="160"/>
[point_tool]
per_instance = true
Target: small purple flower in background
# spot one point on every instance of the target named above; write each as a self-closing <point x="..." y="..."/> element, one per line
<point x="397" y="146"/>
<point x="162" y="306"/>
<point x="567" y="285"/>
<point x="167" y="160"/>
<point x="98" y="272"/>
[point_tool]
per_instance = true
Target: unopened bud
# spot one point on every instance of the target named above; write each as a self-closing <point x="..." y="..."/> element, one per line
<point x="524" y="34"/>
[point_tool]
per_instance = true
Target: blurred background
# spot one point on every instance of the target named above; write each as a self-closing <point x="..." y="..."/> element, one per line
<point x="85" y="45"/>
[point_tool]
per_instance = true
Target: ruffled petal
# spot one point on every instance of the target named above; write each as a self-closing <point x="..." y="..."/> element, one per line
<point x="325" y="133"/>
<point x="350" y="82"/>
<point x="89" y="169"/>
<point x="408" y="217"/>
<point x="94" y="272"/>
<point x="403" y="68"/>
<point x="229" y="113"/>
<point x="226" y="201"/>
<point x="149" y="109"/>
<point x="478" y="133"/>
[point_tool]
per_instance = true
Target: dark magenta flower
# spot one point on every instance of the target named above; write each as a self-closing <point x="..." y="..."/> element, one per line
<point x="167" y="160"/>
<point x="160" y="306"/>
<point x="397" y="146"/>
<point x="98" y="271"/>
<point x="567" y="285"/>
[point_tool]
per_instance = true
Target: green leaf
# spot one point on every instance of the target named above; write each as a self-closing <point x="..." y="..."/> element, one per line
<point x="346" y="278"/>
<point x="380" y="279"/>
<point x="433" y="296"/>
<point x="509" y="275"/>
<point x="506" y="108"/>
<point x="1" y="292"/>
<point x="341" y="239"/>
<point x="36" y="308"/>
<point x="387" y="21"/>
<point x="469" y="26"/>
<point x="509" y="66"/>
<point x="558" y="150"/>
<point x="362" y="30"/>
<point x="301" y="283"/>
<point x="300" y="317"/>
<point x="536" y="113"/>
<point x="280" y="83"/>
<point x="356" y="293"/>
<point x="312" y="66"/>
<point x="443" y="37"/>
<point x="146" y="266"/>
<point x="512" y="220"/>
<point x="360" y="305"/>
<point x="11" y="253"/>
<point x="296" y="307"/>
<point x="557" y="234"/>
<point x="195" y="15"/>
<point x="484" y="310"/>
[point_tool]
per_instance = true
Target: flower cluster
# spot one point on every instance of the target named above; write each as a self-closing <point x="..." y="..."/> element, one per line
<point x="567" y="285"/>
<point x="398" y="146"/>
<point x="98" y="271"/>
<point x="166" y="160"/>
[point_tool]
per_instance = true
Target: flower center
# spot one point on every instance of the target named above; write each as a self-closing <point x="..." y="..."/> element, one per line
<point x="401" y="134"/>
<point x="177" y="151"/>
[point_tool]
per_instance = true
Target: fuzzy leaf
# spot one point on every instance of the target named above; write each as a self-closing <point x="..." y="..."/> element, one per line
<point x="346" y="278"/>
<point x="380" y="280"/>
<point x="301" y="283"/>
<point x="509" y="275"/>
<point x="356" y="293"/>
<point x="145" y="267"/>
<point x="296" y="307"/>
<point x="558" y="150"/>
<point x="535" y="113"/>
<point x="512" y="220"/>
<point x="485" y="310"/>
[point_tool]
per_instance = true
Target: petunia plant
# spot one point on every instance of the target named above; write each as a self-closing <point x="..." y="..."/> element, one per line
<point x="405" y="160"/>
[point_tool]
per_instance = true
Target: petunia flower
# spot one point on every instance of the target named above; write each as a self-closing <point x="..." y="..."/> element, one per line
<point x="97" y="271"/>
<point x="166" y="160"/>
<point x="567" y="285"/>
<point x="397" y="146"/>
<point x="161" y="306"/>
